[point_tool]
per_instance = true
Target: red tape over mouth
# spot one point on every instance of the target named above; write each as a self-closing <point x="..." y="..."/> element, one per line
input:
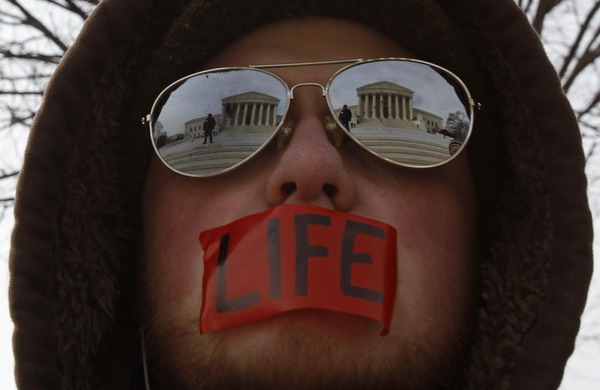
<point x="297" y="257"/>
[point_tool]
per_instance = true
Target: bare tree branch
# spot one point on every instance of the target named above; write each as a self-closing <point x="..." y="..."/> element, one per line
<point x="591" y="105"/>
<point x="32" y="76"/>
<point x="16" y="19"/>
<point x="583" y="29"/>
<point x="587" y="58"/>
<point x="6" y="204"/>
<point x="32" y="21"/>
<point x="16" y="116"/>
<point x="7" y="175"/>
<point x="590" y="153"/>
<point x="525" y="5"/>
<point x="50" y="59"/>
<point x="71" y="6"/>
<point x="544" y="7"/>
<point x="21" y="93"/>
<point x="589" y="126"/>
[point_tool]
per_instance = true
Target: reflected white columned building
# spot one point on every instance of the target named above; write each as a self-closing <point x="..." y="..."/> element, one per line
<point x="250" y="112"/>
<point x="391" y="105"/>
<point x="426" y="120"/>
<point x="388" y="123"/>
<point x="383" y="102"/>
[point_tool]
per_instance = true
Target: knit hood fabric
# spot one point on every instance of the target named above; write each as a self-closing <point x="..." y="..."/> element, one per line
<point x="76" y="239"/>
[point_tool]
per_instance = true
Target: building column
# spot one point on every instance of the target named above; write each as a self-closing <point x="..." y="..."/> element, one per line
<point x="380" y="101"/>
<point x="244" y="114"/>
<point x="410" y="108"/>
<point x="226" y="115"/>
<point x="389" y="105"/>
<point x="404" y="107"/>
<point x="228" y="111"/>
<point x="396" y="107"/>
<point x="253" y="114"/>
<point x="260" y="113"/>
<point x="360" y="105"/>
<point x="237" y="114"/>
<point x="373" y="106"/>
<point x="365" y="114"/>
<point x="267" y="112"/>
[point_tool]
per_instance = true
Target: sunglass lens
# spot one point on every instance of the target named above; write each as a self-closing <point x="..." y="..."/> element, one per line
<point x="407" y="112"/>
<point x="212" y="121"/>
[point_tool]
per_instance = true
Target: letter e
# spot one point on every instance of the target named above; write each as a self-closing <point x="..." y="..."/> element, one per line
<point x="349" y="257"/>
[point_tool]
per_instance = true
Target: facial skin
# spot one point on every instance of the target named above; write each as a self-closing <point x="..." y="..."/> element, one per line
<point x="432" y="210"/>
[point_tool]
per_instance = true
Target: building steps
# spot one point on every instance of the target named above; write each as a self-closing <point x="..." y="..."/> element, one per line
<point x="412" y="148"/>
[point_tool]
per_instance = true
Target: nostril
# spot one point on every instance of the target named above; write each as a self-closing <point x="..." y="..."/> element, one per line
<point x="288" y="188"/>
<point x="330" y="189"/>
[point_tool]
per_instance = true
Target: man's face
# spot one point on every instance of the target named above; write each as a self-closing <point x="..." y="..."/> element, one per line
<point x="432" y="211"/>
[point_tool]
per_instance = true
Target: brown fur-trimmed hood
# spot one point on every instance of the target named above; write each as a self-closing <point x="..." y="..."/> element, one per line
<point x="75" y="242"/>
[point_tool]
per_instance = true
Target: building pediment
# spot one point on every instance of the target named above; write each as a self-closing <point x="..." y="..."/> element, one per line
<point x="384" y="87"/>
<point x="251" y="97"/>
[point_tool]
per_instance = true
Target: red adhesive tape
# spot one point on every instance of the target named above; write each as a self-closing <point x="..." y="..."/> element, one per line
<point x="297" y="257"/>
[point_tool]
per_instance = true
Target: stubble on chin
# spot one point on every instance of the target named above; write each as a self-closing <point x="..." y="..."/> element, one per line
<point x="299" y="358"/>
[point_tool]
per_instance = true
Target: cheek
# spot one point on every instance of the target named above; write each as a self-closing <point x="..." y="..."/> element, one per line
<point x="175" y="266"/>
<point x="176" y="209"/>
<point x="435" y="257"/>
<point x="171" y="249"/>
<point x="434" y="215"/>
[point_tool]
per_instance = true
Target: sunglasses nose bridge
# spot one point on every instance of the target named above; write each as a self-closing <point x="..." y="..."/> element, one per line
<point x="323" y="90"/>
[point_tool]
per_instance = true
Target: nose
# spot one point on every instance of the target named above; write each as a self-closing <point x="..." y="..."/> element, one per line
<point x="311" y="169"/>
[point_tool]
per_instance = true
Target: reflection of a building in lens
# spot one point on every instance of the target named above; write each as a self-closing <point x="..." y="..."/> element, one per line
<point x="248" y="112"/>
<point x="385" y="120"/>
<point x="391" y="105"/>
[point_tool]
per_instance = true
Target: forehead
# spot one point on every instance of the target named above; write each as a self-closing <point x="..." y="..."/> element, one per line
<point x="304" y="40"/>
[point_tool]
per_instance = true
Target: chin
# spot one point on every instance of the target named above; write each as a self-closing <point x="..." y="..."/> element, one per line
<point x="331" y="325"/>
<point x="304" y="349"/>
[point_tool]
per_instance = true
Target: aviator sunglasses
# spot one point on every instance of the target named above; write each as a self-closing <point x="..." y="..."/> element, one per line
<point x="408" y="112"/>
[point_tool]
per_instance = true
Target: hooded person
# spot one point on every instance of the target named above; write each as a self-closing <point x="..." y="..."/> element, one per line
<point x="493" y="246"/>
